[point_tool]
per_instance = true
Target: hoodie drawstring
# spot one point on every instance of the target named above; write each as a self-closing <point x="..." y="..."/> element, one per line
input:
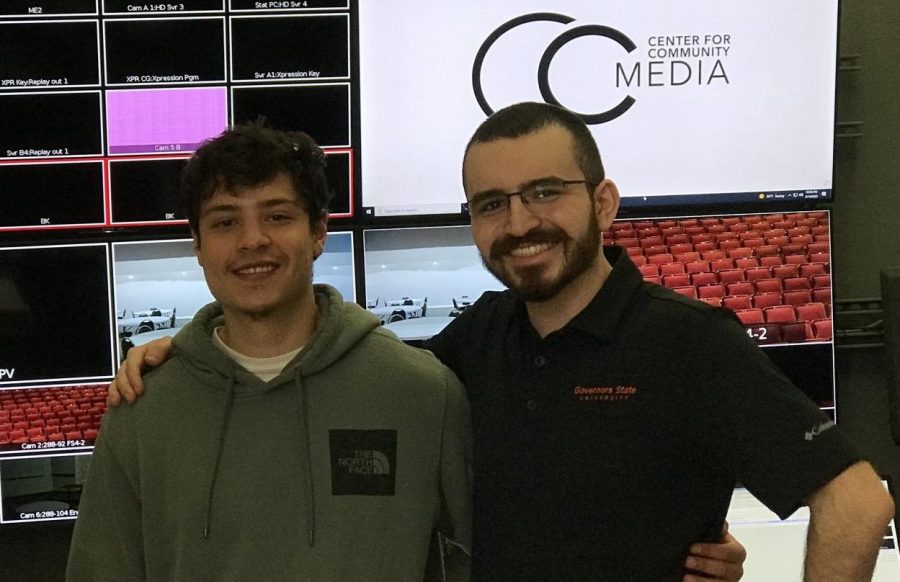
<point x="226" y="414"/>
<point x="307" y="452"/>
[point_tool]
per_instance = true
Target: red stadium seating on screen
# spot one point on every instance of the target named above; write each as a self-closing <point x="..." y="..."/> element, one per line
<point x="766" y="250"/>
<point x="687" y="257"/>
<point x="811" y="269"/>
<point x="821" y="281"/>
<point x="811" y="312"/>
<point x="714" y="255"/>
<point x="791" y="283"/>
<point x="706" y="291"/>
<point x="720" y="236"/>
<point x="751" y="234"/>
<point x="736" y="302"/>
<point x="746" y="263"/>
<point x="649" y="270"/>
<point x="822" y="329"/>
<point x="728" y="245"/>
<point x="797" y="297"/>
<point x="797" y="259"/>
<point x="763" y="300"/>
<point x="771" y="261"/>
<point x="730" y="275"/>
<point x="767" y="285"/>
<point x="697" y="267"/>
<point x="780" y="314"/>
<point x="690" y="291"/>
<point x="756" y="273"/>
<point x="651" y="241"/>
<point x="671" y="269"/>
<point x="823" y="296"/>
<point x="818" y="247"/>
<point x="697" y="233"/>
<point x="672" y="281"/>
<point x="740" y="288"/>
<point x="740" y="253"/>
<point x="796" y="332"/>
<point x="660" y="259"/>
<point x="785" y="271"/>
<point x="704" y="278"/>
<point x="751" y="316"/>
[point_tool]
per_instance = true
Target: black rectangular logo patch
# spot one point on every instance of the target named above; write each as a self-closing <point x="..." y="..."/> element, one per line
<point x="363" y="462"/>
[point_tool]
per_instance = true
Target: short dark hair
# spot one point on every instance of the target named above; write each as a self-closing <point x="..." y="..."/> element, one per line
<point x="528" y="117"/>
<point x="251" y="155"/>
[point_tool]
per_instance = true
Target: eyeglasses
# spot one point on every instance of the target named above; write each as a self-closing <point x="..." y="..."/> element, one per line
<point x="537" y="198"/>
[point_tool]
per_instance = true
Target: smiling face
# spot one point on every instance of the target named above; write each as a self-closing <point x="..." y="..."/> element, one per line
<point x="538" y="250"/>
<point x="257" y="247"/>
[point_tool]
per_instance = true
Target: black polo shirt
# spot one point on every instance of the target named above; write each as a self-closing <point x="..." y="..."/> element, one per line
<point x="605" y="449"/>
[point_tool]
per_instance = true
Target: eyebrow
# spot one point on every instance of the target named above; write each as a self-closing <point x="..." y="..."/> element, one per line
<point x="498" y="192"/>
<point x="270" y="203"/>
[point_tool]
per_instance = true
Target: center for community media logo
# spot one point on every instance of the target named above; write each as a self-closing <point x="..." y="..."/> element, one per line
<point x="364" y="462"/>
<point x="672" y="60"/>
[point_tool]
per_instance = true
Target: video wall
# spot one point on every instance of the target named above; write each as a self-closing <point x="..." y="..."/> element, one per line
<point x="727" y="118"/>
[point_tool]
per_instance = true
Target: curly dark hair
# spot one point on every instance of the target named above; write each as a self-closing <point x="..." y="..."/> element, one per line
<point x="251" y="155"/>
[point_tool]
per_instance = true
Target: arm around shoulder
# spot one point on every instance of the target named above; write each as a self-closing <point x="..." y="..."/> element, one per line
<point x="848" y="517"/>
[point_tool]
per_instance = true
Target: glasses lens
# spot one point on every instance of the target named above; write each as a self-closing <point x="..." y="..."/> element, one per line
<point x="489" y="205"/>
<point x="544" y="192"/>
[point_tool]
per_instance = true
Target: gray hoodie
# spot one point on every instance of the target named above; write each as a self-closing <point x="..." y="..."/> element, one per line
<point x="338" y="469"/>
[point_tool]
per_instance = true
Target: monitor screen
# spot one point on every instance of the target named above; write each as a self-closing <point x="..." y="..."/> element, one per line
<point x="42" y="487"/>
<point x="55" y="314"/>
<point x="706" y="103"/>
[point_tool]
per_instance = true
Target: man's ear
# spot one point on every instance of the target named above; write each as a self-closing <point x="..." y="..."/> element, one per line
<point x="196" y="245"/>
<point x="606" y="203"/>
<point x="320" y="232"/>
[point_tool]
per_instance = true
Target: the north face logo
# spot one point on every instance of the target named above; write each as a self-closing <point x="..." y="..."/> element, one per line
<point x="363" y="462"/>
<point x="366" y="463"/>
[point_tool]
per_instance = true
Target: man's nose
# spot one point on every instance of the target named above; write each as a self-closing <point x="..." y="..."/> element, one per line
<point x="253" y="235"/>
<point x="520" y="220"/>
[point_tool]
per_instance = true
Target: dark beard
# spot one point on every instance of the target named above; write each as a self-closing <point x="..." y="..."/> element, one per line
<point x="580" y="256"/>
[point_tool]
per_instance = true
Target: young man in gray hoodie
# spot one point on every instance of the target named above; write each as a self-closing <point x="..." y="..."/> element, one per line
<point x="289" y="437"/>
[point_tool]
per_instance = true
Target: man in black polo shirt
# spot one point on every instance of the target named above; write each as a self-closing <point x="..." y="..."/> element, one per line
<point x="612" y="417"/>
